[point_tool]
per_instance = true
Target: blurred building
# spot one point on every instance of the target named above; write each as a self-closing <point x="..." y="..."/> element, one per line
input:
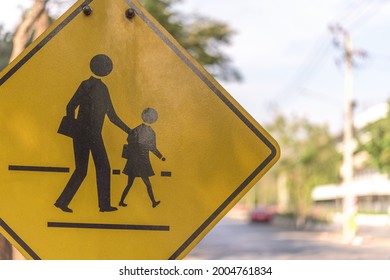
<point x="370" y="187"/>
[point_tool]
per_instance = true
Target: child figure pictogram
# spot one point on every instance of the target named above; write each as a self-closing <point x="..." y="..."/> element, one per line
<point x="141" y="141"/>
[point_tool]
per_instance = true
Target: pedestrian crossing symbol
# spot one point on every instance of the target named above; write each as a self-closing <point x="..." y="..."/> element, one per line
<point x="116" y="144"/>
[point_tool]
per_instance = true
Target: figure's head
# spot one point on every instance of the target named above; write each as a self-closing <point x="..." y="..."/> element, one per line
<point x="149" y="115"/>
<point x="101" y="65"/>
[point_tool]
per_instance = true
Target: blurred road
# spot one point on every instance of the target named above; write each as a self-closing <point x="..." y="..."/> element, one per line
<point x="234" y="239"/>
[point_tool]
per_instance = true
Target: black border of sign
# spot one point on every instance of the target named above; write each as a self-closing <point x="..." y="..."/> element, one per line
<point x="199" y="73"/>
<point x="19" y="240"/>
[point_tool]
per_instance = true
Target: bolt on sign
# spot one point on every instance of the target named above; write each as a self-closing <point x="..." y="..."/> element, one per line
<point x="116" y="144"/>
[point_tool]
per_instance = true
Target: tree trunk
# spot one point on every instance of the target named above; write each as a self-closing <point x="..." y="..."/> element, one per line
<point x="42" y="24"/>
<point x="36" y="17"/>
<point x="5" y="249"/>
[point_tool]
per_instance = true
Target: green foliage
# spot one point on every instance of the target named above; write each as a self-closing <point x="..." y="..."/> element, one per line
<point x="200" y="36"/>
<point x="308" y="158"/>
<point x="375" y="140"/>
<point x="5" y="48"/>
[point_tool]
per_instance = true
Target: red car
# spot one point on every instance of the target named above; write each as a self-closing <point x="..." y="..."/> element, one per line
<point x="260" y="214"/>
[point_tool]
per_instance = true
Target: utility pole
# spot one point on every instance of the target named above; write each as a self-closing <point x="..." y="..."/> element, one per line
<point x="350" y="199"/>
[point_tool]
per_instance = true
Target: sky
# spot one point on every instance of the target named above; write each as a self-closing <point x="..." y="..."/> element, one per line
<point x="287" y="55"/>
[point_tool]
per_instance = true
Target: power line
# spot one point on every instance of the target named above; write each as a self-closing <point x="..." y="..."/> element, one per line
<point x="307" y="71"/>
<point x="315" y="57"/>
<point x="353" y="12"/>
<point x="370" y="11"/>
<point x="313" y="63"/>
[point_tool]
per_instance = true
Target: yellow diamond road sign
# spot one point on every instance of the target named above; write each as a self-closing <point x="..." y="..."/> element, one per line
<point x="116" y="144"/>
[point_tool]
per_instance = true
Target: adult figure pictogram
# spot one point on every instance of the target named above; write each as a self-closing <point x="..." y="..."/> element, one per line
<point x="93" y="101"/>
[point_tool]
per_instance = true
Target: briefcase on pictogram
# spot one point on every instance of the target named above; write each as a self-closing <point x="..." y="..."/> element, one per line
<point x="69" y="127"/>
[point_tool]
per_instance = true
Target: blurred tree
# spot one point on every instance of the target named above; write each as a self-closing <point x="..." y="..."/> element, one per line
<point x="34" y="22"/>
<point x="375" y="140"/>
<point x="5" y="47"/>
<point x="5" y="249"/>
<point x="309" y="158"/>
<point x="202" y="37"/>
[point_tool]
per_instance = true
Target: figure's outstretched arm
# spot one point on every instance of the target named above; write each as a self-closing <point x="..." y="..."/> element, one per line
<point x="153" y="147"/>
<point x="113" y="117"/>
<point x="155" y="151"/>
